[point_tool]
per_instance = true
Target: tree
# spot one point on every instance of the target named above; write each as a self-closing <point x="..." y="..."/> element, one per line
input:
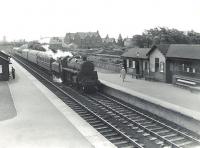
<point x="161" y="35"/>
<point x="120" y="41"/>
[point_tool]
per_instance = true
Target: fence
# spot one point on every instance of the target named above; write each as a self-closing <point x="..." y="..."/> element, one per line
<point x="108" y="66"/>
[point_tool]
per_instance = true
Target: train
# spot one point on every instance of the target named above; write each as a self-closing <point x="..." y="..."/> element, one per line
<point x="76" y="71"/>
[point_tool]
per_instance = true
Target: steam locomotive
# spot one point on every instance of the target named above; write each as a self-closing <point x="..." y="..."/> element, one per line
<point x="75" y="70"/>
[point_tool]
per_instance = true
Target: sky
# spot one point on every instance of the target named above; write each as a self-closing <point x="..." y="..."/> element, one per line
<point x="32" y="19"/>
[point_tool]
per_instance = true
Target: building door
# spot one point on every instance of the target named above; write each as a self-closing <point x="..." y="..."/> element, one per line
<point x="137" y="67"/>
<point x="169" y="72"/>
<point x="124" y="64"/>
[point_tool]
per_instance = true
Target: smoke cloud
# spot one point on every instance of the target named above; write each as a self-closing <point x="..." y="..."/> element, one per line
<point x="58" y="54"/>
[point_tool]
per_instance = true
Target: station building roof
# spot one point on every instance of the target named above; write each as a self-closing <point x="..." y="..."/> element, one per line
<point x="163" y="48"/>
<point x="4" y="56"/>
<point x="186" y="51"/>
<point x="140" y="53"/>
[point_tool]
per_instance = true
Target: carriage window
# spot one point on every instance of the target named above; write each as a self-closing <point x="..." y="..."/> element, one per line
<point x="156" y="64"/>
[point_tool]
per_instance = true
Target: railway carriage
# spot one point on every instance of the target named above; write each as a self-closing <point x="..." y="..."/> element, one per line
<point x="32" y="56"/>
<point x="25" y="53"/>
<point x="44" y="60"/>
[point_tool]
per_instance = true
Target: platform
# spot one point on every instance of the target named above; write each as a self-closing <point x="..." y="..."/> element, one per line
<point x="163" y="95"/>
<point x="42" y="120"/>
<point x="7" y="107"/>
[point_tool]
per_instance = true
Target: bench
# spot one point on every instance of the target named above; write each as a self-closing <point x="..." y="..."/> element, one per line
<point x="185" y="83"/>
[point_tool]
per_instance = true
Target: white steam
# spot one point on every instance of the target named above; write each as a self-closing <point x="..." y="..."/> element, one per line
<point x="58" y="54"/>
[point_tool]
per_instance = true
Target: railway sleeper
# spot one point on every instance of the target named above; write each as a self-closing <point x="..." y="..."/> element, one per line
<point x="187" y="144"/>
<point x="109" y="134"/>
<point x="169" y="135"/>
<point x="175" y="138"/>
<point x="120" y="143"/>
<point x="125" y="145"/>
<point x="97" y="125"/>
<point x="95" y="122"/>
<point x="102" y="127"/>
<point x="105" y="131"/>
<point x="149" y="125"/>
<point x="155" y="128"/>
<point x="92" y="119"/>
<point x="183" y="142"/>
<point x="159" y="142"/>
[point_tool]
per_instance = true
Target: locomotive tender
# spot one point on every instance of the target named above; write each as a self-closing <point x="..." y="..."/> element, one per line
<point x="72" y="70"/>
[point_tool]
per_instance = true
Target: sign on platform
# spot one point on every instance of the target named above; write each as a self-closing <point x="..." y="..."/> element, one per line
<point x="0" y="69"/>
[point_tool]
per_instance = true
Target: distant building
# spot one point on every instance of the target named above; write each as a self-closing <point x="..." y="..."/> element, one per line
<point x="84" y="39"/>
<point x="55" y="43"/>
<point x="108" y="41"/>
<point x="56" y="40"/>
<point x="128" y="42"/>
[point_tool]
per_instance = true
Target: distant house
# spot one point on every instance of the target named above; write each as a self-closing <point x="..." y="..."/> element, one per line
<point x="84" y="39"/>
<point x="136" y="61"/>
<point x="55" y="42"/>
<point x="108" y="41"/>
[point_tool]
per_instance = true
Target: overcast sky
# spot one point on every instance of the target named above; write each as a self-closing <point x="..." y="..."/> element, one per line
<point x="31" y="19"/>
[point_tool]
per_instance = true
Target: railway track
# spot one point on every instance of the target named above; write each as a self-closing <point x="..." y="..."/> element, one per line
<point x="121" y="124"/>
<point x="141" y="126"/>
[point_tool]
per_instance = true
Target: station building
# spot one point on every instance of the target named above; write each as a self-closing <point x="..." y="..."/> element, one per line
<point x="171" y="63"/>
<point x="4" y="66"/>
<point x="136" y="61"/>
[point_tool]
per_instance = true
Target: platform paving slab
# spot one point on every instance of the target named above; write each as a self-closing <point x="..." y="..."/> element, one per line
<point x="7" y="107"/>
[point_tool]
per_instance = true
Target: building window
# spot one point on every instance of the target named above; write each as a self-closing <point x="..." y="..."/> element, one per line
<point x="161" y="67"/>
<point x="133" y="62"/>
<point x="193" y="70"/>
<point x="183" y="67"/>
<point x="156" y="64"/>
<point x="188" y="69"/>
<point x="130" y="63"/>
<point x="1" y="69"/>
<point x="127" y="62"/>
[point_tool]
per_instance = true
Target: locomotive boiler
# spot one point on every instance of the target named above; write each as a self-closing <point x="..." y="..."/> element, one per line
<point x="80" y="72"/>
